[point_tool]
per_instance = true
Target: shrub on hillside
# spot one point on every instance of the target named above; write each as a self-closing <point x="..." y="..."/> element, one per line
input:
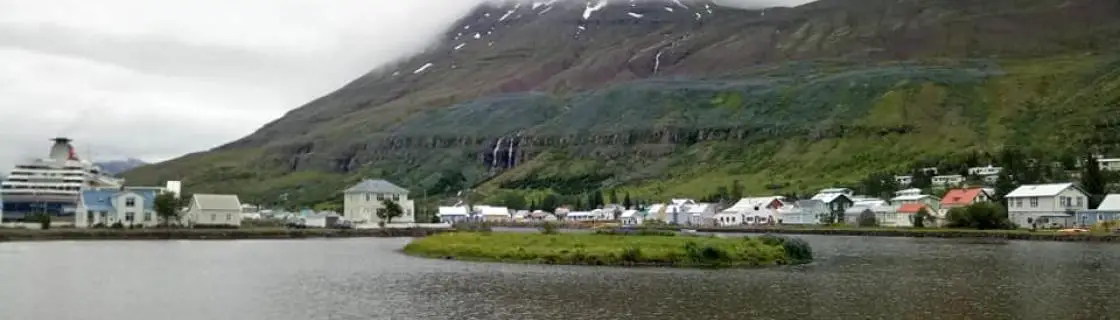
<point x="982" y="216"/>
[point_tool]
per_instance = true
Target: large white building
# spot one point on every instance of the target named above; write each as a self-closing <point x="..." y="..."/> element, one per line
<point x="213" y="210"/>
<point x="51" y="185"/>
<point x="1045" y="205"/>
<point x="361" y="202"/>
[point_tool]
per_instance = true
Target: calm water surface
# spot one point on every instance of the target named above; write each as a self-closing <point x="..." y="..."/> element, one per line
<point x="853" y="278"/>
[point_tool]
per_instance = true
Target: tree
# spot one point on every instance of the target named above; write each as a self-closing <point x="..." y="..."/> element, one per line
<point x="922" y="217"/>
<point x="626" y="202"/>
<point x="550" y="202"/>
<point x="867" y="219"/>
<point x="880" y="184"/>
<point x="983" y="216"/>
<point x="920" y="179"/>
<point x="389" y="210"/>
<point x="612" y="197"/>
<point x="736" y="190"/>
<point x="1005" y="183"/>
<point x="597" y="199"/>
<point x="513" y="201"/>
<point x="1093" y="181"/>
<point x="167" y="207"/>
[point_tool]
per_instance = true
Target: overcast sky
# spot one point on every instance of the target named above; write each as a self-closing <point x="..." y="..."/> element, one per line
<point x="157" y="79"/>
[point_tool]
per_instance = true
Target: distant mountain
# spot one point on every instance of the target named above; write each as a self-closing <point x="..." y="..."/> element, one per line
<point x="119" y="166"/>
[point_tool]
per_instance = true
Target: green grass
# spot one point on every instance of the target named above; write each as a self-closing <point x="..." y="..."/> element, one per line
<point x="597" y="249"/>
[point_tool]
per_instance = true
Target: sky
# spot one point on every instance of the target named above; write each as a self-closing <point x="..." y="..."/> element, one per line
<point x="158" y="79"/>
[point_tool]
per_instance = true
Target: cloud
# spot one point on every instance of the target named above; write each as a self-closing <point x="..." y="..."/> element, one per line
<point x="157" y="79"/>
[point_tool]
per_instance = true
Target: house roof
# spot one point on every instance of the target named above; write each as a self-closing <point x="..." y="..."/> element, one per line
<point x="961" y="196"/>
<point x="102" y="199"/>
<point x="376" y="186"/>
<point x="830" y="197"/>
<point x="453" y="211"/>
<point x="880" y="207"/>
<point x="911" y="197"/>
<point x="492" y="211"/>
<point x="1040" y="190"/>
<point x="1111" y="203"/>
<point x="911" y="208"/>
<point x="699" y="208"/>
<point x="748" y="204"/>
<point x="217" y="202"/>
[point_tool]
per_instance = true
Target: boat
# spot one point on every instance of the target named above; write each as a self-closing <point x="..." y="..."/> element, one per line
<point x="51" y="185"/>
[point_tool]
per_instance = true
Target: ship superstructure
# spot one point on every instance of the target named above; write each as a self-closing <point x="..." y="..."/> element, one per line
<point x="51" y="185"/>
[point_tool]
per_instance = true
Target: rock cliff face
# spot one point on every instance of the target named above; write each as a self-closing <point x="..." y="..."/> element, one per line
<point x="638" y="92"/>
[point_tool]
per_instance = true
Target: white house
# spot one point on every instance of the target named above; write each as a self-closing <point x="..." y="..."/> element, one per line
<point x="1109" y="164"/>
<point x="453" y="214"/>
<point x="493" y="214"/>
<point x="904" y="180"/>
<point x="1045" y="205"/>
<point x="803" y="212"/>
<point x="910" y="196"/>
<point x="984" y="171"/>
<point x="727" y="219"/>
<point x="361" y="202"/>
<point x="946" y="181"/>
<point x="632" y="218"/>
<point x="106" y="207"/>
<point x="214" y="210"/>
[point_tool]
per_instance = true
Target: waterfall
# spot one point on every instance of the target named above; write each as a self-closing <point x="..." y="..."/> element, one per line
<point x="510" y="160"/>
<point x="657" y="61"/>
<point x="497" y="146"/>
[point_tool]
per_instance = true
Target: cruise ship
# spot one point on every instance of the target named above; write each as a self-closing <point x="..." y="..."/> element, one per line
<point x="51" y="185"/>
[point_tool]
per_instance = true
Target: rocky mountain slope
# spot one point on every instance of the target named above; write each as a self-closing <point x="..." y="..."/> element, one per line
<point x="115" y="167"/>
<point x="668" y="97"/>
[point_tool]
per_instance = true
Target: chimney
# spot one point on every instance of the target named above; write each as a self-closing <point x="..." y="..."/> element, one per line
<point x="62" y="150"/>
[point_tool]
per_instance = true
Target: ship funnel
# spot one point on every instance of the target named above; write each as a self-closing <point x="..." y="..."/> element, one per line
<point x="62" y="150"/>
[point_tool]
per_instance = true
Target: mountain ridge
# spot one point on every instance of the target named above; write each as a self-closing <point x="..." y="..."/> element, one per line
<point x="529" y="86"/>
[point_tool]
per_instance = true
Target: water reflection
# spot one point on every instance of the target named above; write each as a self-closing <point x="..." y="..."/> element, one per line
<point x="853" y="278"/>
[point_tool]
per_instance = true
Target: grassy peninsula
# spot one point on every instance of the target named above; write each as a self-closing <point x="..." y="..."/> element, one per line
<point x="613" y="249"/>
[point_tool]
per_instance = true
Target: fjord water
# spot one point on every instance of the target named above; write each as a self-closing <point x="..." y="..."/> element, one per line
<point x="853" y="278"/>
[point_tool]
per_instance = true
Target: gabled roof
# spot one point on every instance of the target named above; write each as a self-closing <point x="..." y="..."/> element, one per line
<point x="961" y="196"/>
<point x="830" y="197"/>
<point x="748" y="204"/>
<point x="911" y="197"/>
<point x="1041" y="190"/>
<point x="225" y="202"/>
<point x="1111" y="203"/>
<point x="376" y="186"/>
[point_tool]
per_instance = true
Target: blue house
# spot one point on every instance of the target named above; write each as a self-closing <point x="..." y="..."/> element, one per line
<point x="109" y="206"/>
<point x="1109" y="210"/>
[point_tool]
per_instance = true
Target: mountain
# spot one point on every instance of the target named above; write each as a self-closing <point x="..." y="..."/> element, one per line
<point x="664" y="98"/>
<point x="116" y="167"/>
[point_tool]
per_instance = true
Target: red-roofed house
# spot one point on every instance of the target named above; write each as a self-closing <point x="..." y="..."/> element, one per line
<point x="962" y="197"/>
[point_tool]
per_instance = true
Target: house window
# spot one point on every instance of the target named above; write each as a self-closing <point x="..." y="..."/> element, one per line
<point x="1019" y="203"/>
<point x="1034" y="202"/>
<point x="130" y="202"/>
<point x="213" y="217"/>
<point x="147" y="216"/>
<point x="129" y="216"/>
<point x="369" y="197"/>
<point x="1080" y="201"/>
<point x="229" y="217"/>
<point x="104" y="215"/>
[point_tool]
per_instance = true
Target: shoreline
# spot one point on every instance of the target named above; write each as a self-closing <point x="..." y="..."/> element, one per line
<point x="25" y="235"/>
<point x="1024" y="235"/>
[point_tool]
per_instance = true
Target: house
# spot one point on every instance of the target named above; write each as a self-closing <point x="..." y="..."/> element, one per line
<point x="632" y="218"/>
<point x="493" y="214"/>
<point x="837" y="200"/>
<point x="320" y="220"/>
<point x="1109" y="164"/>
<point x="984" y="171"/>
<point x="679" y="211"/>
<point x="946" y="181"/>
<point x="1108" y="210"/>
<point x="752" y="210"/>
<point x="727" y="219"/>
<point x="1046" y="205"/>
<point x="904" y="180"/>
<point x="962" y="197"/>
<point x="701" y="214"/>
<point x="909" y="196"/>
<point x="214" y="210"/>
<point x="362" y="201"/>
<point x="803" y="212"/>
<point x="581" y="216"/>
<point x="106" y="207"/>
<point x="453" y="214"/>
<point x="904" y="216"/>
<point x="879" y="208"/>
